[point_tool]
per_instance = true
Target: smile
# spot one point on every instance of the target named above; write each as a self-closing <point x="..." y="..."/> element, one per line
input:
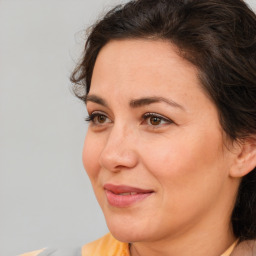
<point x="124" y="196"/>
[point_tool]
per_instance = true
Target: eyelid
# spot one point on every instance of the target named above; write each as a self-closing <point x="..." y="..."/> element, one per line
<point x="163" y="118"/>
<point x="91" y="116"/>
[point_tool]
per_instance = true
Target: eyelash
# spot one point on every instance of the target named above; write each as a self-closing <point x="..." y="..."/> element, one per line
<point x="90" y="118"/>
<point x="145" y="117"/>
<point x="155" y="115"/>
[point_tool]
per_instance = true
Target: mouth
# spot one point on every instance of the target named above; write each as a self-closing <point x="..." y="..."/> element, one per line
<point x="124" y="196"/>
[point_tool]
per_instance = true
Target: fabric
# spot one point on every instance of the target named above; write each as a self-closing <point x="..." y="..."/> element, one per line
<point x="55" y="252"/>
<point x="245" y="248"/>
<point x="34" y="253"/>
<point x="61" y="252"/>
<point x="230" y="249"/>
<point x="105" y="246"/>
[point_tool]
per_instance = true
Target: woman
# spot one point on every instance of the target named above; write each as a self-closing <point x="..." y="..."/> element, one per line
<point x="170" y="89"/>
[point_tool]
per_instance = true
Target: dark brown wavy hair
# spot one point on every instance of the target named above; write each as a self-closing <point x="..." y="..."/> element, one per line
<point x="219" y="38"/>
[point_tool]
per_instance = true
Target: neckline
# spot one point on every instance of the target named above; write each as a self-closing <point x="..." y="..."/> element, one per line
<point x="226" y="253"/>
<point x="230" y="249"/>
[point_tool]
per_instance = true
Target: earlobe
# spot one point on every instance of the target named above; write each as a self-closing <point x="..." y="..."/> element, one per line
<point x="245" y="159"/>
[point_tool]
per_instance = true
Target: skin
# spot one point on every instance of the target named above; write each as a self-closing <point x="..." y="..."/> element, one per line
<point x="182" y="157"/>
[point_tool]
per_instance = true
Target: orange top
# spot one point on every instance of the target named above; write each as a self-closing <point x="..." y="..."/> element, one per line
<point x="230" y="249"/>
<point x="108" y="245"/>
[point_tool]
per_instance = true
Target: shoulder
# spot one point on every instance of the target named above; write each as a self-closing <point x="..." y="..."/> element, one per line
<point x="34" y="253"/>
<point x="245" y="248"/>
<point x="106" y="246"/>
<point x="55" y="252"/>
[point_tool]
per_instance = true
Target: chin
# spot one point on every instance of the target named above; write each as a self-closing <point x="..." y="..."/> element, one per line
<point x="126" y="235"/>
<point x="128" y="230"/>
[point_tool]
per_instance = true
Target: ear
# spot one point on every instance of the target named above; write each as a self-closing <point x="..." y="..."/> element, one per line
<point x="245" y="157"/>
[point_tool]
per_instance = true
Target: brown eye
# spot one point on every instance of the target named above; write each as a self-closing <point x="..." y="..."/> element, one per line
<point x="100" y="119"/>
<point x="154" y="120"/>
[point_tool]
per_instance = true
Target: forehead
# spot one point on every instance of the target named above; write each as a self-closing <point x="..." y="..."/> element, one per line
<point x="141" y="52"/>
<point x="142" y="62"/>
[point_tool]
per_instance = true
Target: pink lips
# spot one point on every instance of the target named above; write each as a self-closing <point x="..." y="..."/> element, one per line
<point x="124" y="196"/>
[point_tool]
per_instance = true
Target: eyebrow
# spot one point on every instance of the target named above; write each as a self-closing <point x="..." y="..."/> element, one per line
<point x="149" y="100"/>
<point x="96" y="99"/>
<point x="135" y="103"/>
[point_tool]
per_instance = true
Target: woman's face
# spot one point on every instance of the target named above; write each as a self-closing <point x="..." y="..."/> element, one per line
<point x="154" y="150"/>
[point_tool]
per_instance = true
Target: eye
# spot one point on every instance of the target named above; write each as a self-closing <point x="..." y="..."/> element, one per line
<point x="98" y="118"/>
<point x="156" y="120"/>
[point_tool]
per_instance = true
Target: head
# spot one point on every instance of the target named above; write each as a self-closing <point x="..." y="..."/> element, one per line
<point x="203" y="50"/>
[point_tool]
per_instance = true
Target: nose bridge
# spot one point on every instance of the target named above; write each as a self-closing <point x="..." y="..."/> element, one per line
<point x="119" y="151"/>
<point x="117" y="138"/>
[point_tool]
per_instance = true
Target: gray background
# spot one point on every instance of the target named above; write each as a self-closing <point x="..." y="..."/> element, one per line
<point x="45" y="196"/>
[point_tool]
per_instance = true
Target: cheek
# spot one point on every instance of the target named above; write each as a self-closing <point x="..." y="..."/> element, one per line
<point x="91" y="152"/>
<point x="185" y="162"/>
<point x="189" y="175"/>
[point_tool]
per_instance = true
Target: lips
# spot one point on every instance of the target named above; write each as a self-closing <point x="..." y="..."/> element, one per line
<point x="124" y="196"/>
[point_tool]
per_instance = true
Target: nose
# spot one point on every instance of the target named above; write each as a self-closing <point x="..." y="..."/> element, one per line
<point x="119" y="151"/>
